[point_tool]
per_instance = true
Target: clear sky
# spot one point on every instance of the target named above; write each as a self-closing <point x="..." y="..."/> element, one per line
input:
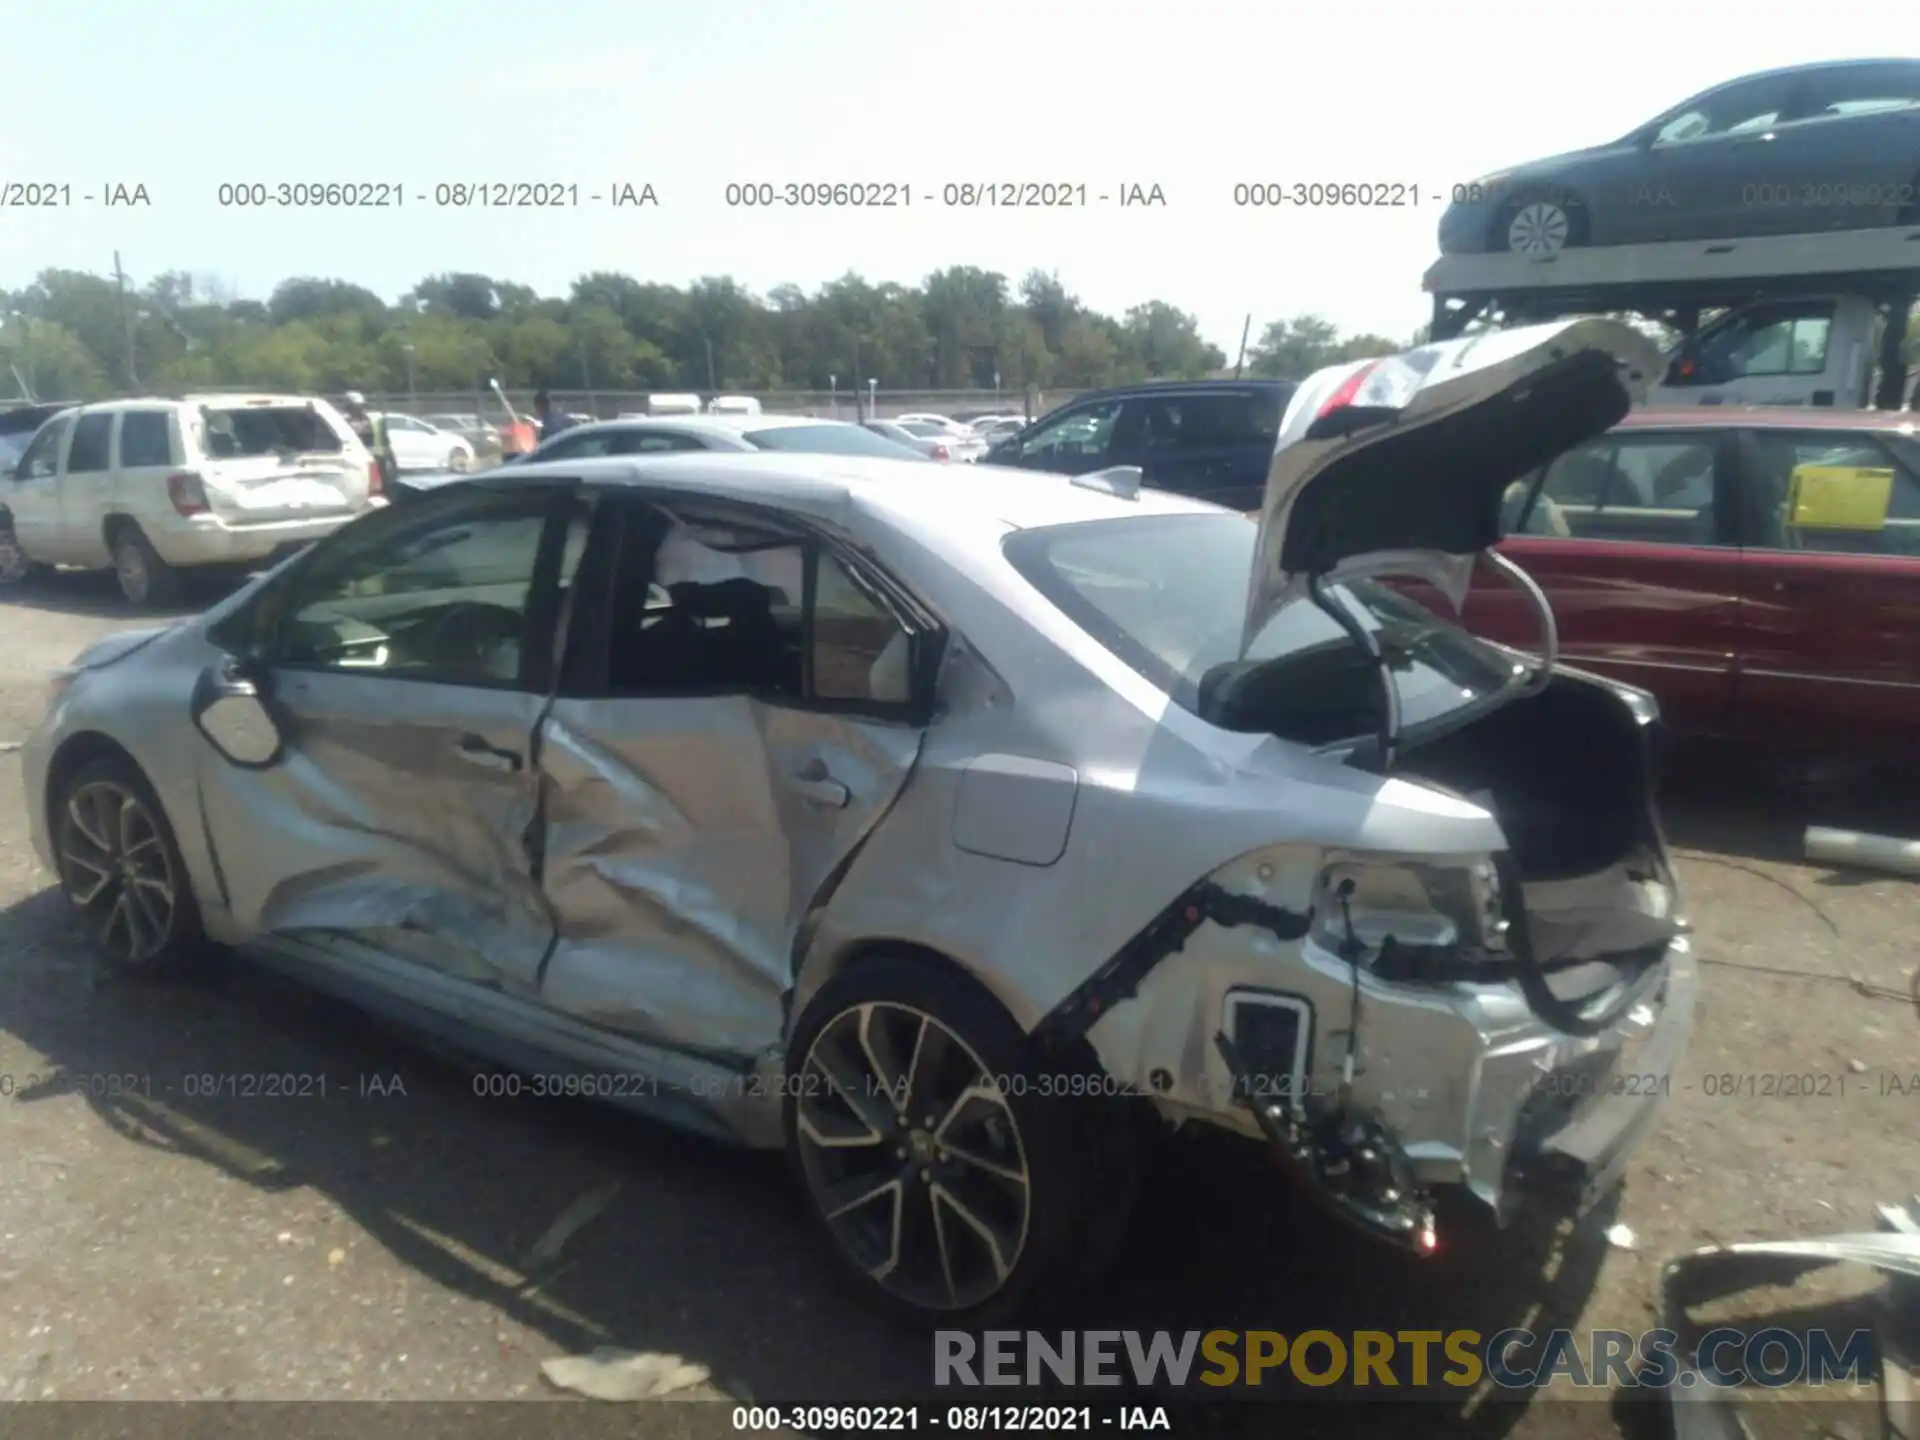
<point x="1192" y="97"/>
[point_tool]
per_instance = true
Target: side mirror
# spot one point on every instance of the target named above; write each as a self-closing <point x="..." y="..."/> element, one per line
<point x="230" y="712"/>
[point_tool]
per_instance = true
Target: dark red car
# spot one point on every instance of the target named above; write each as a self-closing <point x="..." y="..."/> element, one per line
<point x="1757" y="569"/>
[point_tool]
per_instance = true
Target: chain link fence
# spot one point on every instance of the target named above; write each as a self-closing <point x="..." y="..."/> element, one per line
<point x="959" y="405"/>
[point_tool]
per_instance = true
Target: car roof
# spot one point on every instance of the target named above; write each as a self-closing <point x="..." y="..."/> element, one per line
<point x="729" y="424"/>
<point x="1818" y="67"/>
<point x="1175" y="387"/>
<point x="1770" y="417"/>
<point x="941" y="504"/>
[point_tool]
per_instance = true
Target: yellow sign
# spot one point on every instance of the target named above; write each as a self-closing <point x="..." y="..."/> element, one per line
<point x="1838" y="497"/>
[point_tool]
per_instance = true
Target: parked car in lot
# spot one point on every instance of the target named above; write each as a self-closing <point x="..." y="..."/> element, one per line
<point x="798" y="433"/>
<point x="943" y="827"/>
<point x="1209" y="439"/>
<point x="959" y="443"/>
<point x="420" y="445"/>
<point x="477" y="432"/>
<point x="1827" y="146"/>
<point x="157" y="486"/>
<point x="1757" y="569"/>
<point x="933" y="449"/>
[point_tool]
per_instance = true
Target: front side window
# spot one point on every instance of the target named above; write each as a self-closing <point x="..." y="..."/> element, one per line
<point x="1845" y="495"/>
<point x="92" y="437"/>
<point x="1167" y="594"/>
<point x="1653" y="489"/>
<point x="1744" y="109"/>
<point x="443" y="598"/>
<point x="1082" y="438"/>
<point x="42" y="460"/>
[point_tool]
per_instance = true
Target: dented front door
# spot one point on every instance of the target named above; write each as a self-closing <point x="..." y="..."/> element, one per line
<point x="407" y="670"/>
<point x="690" y="834"/>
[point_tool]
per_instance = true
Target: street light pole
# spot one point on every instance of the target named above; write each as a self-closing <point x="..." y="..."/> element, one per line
<point x="873" y="402"/>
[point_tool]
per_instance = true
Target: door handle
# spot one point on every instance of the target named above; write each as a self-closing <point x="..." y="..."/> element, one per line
<point x="816" y="785"/>
<point x="476" y="751"/>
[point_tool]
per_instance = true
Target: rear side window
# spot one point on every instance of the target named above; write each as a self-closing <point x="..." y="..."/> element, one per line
<point x="42" y="457"/>
<point x="145" y="439"/>
<point x="1192" y="422"/>
<point x="1838" y="494"/>
<point x="88" y="452"/>
<point x="249" y="430"/>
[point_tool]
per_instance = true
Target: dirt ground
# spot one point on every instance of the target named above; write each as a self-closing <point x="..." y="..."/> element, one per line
<point x="160" y="1242"/>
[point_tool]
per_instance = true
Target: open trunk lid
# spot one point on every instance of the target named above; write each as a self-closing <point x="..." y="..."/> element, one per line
<point x="1398" y="466"/>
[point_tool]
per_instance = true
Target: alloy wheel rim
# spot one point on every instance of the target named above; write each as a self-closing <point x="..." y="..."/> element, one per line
<point x="913" y="1155"/>
<point x="459" y="461"/>
<point x="116" y="871"/>
<point x="1538" y="229"/>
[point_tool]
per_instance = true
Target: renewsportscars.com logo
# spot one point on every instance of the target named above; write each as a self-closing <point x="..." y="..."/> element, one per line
<point x="1516" y="1359"/>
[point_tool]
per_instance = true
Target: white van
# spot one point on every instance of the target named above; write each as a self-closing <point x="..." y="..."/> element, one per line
<point x="733" y="405"/>
<point x="1810" y="350"/>
<point x="673" y="405"/>
<point x="158" y="485"/>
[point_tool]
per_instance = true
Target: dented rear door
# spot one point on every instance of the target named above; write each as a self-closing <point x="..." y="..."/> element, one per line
<point x="407" y="662"/>
<point x="704" y="788"/>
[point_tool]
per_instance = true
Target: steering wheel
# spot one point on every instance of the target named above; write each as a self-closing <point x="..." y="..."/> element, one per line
<point x="470" y="636"/>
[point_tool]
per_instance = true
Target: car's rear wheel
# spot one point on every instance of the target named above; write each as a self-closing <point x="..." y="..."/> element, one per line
<point x="145" y="579"/>
<point x="459" y="460"/>
<point x="1538" y="223"/>
<point x="121" y="871"/>
<point x="941" y="1161"/>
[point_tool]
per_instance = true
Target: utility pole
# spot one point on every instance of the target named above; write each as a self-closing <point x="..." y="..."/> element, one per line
<point x="1245" y="330"/>
<point x="126" y="319"/>
<point x="712" y="384"/>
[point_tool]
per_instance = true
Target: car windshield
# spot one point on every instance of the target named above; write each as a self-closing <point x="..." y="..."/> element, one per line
<point x="923" y="429"/>
<point x="1167" y="594"/>
<point x="265" y="430"/>
<point x="829" y="440"/>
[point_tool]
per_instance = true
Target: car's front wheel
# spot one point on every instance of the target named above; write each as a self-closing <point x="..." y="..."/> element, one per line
<point x="121" y="871"/>
<point x="16" y="566"/>
<point x="1540" y="223"/>
<point x="940" y="1158"/>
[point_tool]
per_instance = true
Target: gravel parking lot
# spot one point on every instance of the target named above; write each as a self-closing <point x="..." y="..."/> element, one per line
<point x="168" y="1237"/>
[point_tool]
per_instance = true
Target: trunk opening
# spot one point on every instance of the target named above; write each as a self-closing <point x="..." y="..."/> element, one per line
<point x="1566" y="773"/>
<point x="1589" y="899"/>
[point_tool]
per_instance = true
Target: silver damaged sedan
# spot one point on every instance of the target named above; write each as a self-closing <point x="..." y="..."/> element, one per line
<point x="948" y="830"/>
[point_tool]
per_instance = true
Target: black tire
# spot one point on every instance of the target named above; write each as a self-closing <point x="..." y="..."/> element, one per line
<point x="1070" y="1193"/>
<point x="1571" y="208"/>
<point x="16" y="567"/>
<point x="146" y="581"/>
<point x="109" y="863"/>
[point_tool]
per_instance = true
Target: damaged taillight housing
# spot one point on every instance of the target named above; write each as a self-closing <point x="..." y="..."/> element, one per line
<point x="187" y="494"/>
<point x="1363" y="901"/>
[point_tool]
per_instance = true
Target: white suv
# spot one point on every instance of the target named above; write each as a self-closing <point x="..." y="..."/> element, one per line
<point x="153" y="486"/>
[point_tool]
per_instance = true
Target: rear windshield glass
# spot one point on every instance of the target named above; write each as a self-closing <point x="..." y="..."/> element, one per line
<point x="1168" y="595"/>
<point x="829" y="440"/>
<point x="265" y="430"/>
